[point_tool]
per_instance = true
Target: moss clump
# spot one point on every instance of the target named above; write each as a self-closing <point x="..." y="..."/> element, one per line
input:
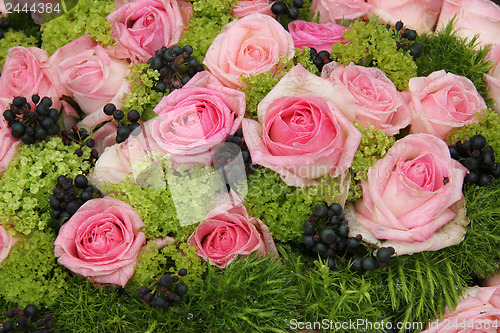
<point x="374" y="145"/>
<point x="153" y="263"/>
<point x="371" y="44"/>
<point x="488" y="125"/>
<point x="285" y="208"/>
<point x="31" y="274"/>
<point x="87" y="17"/>
<point x="28" y="182"/>
<point x="206" y="22"/>
<point x="446" y="50"/>
<point x="142" y="97"/>
<point x="14" y="38"/>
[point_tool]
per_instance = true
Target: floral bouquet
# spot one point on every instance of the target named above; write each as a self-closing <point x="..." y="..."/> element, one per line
<point x="249" y="166"/>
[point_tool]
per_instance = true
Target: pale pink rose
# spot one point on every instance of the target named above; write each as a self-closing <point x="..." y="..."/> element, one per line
<point x="119" y="161"/>
<point x="101" y="241"/>
<point x="6" y="242"/>
<point x="336" y="10"/>
<point x="248" y="46"/>
<point x="228" y="232"/>
<point x="478" y="311"/>
<point x="302" y="132"/>
<point x="473" y="17"/>
<point x="86" y="72"/>
<point x="8" y="145"/>
<point x="314" y="35"/>
<point x="105" y="137"/>
<point x="443" y="101"/>
<point x="24" y="74"/>
<point x="412" y="199"/>
<point x="247" y="7"/>
<point x="493" y="77"/>
<point x="194" y="119"/>
<point x="378" y="101"/>
<point x="143" y="26"/>
<point x="421" y="15"/>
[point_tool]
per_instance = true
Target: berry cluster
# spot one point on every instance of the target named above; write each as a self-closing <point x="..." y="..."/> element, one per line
<point x="320" y="58"/>
<point x="32" y="126"/>
<point x="225" y="153"/>
<point x="82" y="137"/>
<point x="66" y="199"/>
<point x="123" y="131"/>
<point x="176" y="67"/>
<point x="281" y="7"/>
<point x="478" y="158"/>
<point x="327" y="234"/>
<point x="171" y="291"/>
<point x="4" y="25"/>
<point x="27" y="321"/>
<point x="405" y="39"/>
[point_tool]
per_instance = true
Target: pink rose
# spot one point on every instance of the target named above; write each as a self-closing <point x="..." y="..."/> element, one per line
<point x="101" y="241"/>
<point x="91" y="76"/>
<point x="227" y="232"/>
<point x="8" y="145"/>
<point x="412" y="199"/>
<point x="302" y="133"/>
<point x="493" y="77"/>
<point x="336" y="10"/>
<point x="479" y="311"/>
<point x="6" y="242"/>
<point x="24" y="74"/>
<point x="248" y="46"/>
<point x="378" y="101"/>
<point x="247" y="7"/>
<point x="118" y="161"/>
<point x="195" y="118"/>
<point x="314" y="35"/>
<point x="143" y="26"/>
<point x="105" y="137"/>
<point x="420" y="15"/>
<point x="443" y="101"/>
<point x="473" y="17"/>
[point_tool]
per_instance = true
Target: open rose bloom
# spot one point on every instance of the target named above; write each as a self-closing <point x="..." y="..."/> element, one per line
<point x="194" y="119"/>
<point x="141" y="27"/>
<point x="247" y="46"/>
<point x="336" y="10"/>
<point x="302" y="132"/>
<point x="84" y="70"/>
<point x="101" y="241"/>
<point x="412" y="199"/>
<point x="314" y="35"/>
<point x="478" y="311"/>
<point x="227" y="232"/>
<point x="378" y="102"/>
<point x="443" y="101"/>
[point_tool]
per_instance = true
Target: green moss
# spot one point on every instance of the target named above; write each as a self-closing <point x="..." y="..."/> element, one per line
<point x="488" y="125"/>
<point x="371" y="44"/>
<point x="173" y="214"/>
<point x="285" y="208"/>
<point x="14" y="38"/>
<point x="374" y="145"/>
<point x="153" y="263"/>
<point x="87" y="17"/>
<point x="27" y="183"/>
<point x="31" y="274"/>
<point x="206" y="22"/>
<point x="446" y="50"/>
<point x="142" y="97"/>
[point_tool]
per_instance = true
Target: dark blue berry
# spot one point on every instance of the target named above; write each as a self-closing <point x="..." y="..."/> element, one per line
<point x="118" y="115"/>
<point x="109" y="109"/>
<point x="166" y="280"/>
<point x="181" y="289"/>
<point x="133" y="116"/>
<point x="320" y="211"/>
<point x="182" y="272"/>
<point x="30" y="310"/>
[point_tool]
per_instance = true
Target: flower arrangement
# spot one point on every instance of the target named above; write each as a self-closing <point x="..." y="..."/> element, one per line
<point x="251" y="165"/>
